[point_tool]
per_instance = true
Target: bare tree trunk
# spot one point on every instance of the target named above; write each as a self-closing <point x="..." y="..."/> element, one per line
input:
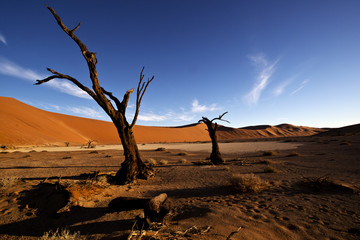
<point x="132" y="167"/>
<point x="215" y="156"/>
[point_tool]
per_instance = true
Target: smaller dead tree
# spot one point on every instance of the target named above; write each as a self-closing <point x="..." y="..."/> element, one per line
<point x="215" y="156"/>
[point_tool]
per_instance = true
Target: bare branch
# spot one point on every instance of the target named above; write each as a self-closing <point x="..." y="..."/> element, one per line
<point x="72" y="31"/>
<point x="141" y="89"/>
<point x="71" y="79"/>
<point x="125" y="101"/>
<point x="90" y="57"/>
<point x="68" y="31"/>
<point x="220" y="118"/>
<point x="112" y="97"/>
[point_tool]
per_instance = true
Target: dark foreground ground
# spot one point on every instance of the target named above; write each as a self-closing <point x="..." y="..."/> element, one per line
<point x="307" y="193"/>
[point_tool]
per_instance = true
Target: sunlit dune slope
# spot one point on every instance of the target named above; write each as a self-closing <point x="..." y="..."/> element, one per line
<point x="21" y="124"/>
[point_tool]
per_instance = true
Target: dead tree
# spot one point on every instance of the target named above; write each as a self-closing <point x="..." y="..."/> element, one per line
<point x="215" y="156"/>
<point x="133" y="167"/>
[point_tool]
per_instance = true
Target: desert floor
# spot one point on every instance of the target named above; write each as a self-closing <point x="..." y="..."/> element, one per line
<point x="310" y="191"/>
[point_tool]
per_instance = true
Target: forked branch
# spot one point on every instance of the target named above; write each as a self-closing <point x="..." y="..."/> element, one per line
<point x="208" y="121"/>
<point x="141" y="89"/>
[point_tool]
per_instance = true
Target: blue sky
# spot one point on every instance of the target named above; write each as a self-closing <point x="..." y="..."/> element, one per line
<point x="265" y="62"/>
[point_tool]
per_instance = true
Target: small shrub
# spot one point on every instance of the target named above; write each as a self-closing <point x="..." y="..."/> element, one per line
<point x="64" y="234"/>
<point x="182" y="154"/>
<point x="160" y="149"/>
<point x="102" y="179"/>
<point x="248" y="183"/>
<point x="151" y="161"/>
<point x="67" y="157"/>
<point x="293" y="154"/>
<point x="163" y="162"/>
<point x="202" y="163"/>
<point x="107" y="156"/>
<point x="67" y="144"/>
<point x="324" y="184"/>
<point x="26" y="156"/>
<point x="183" y="160"/>
<point x="269" y="153"/>
<point x="345" y="143"/>
<point x="9" y="181"/>
<point x="7" y="147"/>
<point x="270" y="170"/>
<point x="226" y="168"/>
<point x="32" y="151"/>
<point x="266" y="161"/>
<point x="93" y="152"/>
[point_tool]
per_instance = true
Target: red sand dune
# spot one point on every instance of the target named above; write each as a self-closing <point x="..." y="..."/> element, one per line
<point x="21" y="125"/>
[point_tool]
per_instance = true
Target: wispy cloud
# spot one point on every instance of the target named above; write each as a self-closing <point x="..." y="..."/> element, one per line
<point x="151" y="117"/>
<point x="3" y="39"/>
<point x="197" y="108"/>
<point x="12" y="69"/>
<point x="68" y="88"/>
<point x="86" y="112"/>
<point x="185" y="115"/>
<point x="50" y="107"/>
<point x="266" y="71"/>
<point x="169" y="116"/>
<point x="280" y="89"/>
<point x="302" y="85"/>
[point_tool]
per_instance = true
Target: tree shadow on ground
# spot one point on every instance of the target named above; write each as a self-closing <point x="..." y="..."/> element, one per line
<point x="37" y="226"/>
<point x="46" y="204"/>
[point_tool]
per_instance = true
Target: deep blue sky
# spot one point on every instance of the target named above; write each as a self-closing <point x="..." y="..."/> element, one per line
<point x="265" y="62"/>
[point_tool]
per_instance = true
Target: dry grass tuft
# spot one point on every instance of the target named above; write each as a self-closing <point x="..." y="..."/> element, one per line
<point x="248" y="183"/>
<point x="9" y="181"/>
<point x="324" y="184"/>
<point x="151" y="161"/>
<point x="63" y="234"/>
<point x="183" y="160"/>
<point x="163" y="162"/>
